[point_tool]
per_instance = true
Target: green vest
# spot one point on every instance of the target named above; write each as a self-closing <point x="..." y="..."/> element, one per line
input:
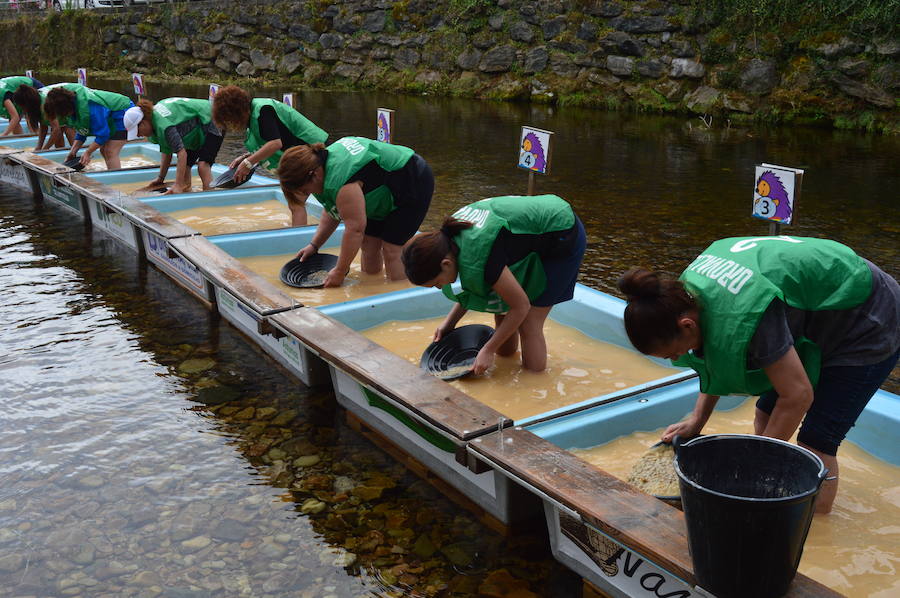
<point x="345" y="157"/>
<point x="302" y="128"/>
<point x="735" y="280"/>
<point x="81" y="120"/>
<point x="10" y="85"/>
<point x="532" y="215"/>
<point x="172" y="112"/>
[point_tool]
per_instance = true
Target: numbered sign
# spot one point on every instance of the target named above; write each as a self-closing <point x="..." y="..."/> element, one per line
<point x="82" y="76"/>
<point x="384" y="125"/>
<point x="213" y="89"/>
<point x="137" y="80"/>
<point x="29" y="74"/>
<point x="534" y="150"/>
<point x="288" y="99"/>
<point x="775" y="193"/>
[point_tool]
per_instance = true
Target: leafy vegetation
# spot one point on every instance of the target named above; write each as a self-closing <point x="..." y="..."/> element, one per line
<point x="879" y="16"/>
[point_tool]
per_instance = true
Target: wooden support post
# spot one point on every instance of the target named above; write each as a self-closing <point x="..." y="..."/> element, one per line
<point x="530" y="183"/>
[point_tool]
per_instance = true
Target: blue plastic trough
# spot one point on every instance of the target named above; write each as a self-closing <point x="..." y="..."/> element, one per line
<point x="593" y="313"/>
<point x="577" y="537"/>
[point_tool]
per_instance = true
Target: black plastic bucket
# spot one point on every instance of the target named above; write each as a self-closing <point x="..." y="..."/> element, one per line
<point x="748" y="503"/>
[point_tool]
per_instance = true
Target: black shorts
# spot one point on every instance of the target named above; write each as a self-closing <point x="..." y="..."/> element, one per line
<point x="119" y="136"/>
<point x="412" y="187"/>
<point x="207" y="152"/>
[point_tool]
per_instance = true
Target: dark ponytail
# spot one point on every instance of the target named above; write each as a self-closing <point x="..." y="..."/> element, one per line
<point x="423" y="254"/>
<point x="654" y="306"/>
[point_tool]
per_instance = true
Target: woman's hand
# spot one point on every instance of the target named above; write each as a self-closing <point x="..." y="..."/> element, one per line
<point x="483" y="361"/>
<point x="443" y="330"/>
<point x="335" y="278"/>
<point x="687" y="428"/>
<point x="237" y="160"/>
<point x="307" y="252"/>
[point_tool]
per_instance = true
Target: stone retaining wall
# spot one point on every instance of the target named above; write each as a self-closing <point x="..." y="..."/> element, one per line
<point x="649" y="55"/>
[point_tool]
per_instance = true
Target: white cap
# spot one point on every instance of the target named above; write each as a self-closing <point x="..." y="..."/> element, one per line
<point x="132" y="118"/>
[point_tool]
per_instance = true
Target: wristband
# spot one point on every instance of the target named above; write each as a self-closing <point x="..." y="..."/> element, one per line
<point x="314" y="246"/>
<point x="248" y="164"/>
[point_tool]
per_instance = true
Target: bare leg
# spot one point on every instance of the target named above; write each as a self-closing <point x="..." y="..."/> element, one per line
<point x="371" y="255"/>
<point x="760" y="421"/>
<point x="829" y="489"/>
<point x="534" y="346"/>
<point x="512" y="343"/>
<point x="393" y="267"/>
<point x="204" y="169"/>
<point x="113" y="148"/>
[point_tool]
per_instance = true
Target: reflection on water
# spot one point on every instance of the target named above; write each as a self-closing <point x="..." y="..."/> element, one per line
<point x="148" y="450"/>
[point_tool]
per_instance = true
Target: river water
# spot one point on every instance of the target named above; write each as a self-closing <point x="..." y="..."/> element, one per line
<point x="123" y="474"/>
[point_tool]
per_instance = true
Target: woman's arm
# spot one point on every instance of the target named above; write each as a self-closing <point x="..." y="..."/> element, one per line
<point x="351" y="205"/>
<point x="795" y="395"/>
<point x="182" y="173"/>
<point x="692" y="424"/>
<point x="450" y="321"/>
<point x="326" y="228"/>
<point x="515" y="297"/>
<point x="14" y="118"/>
<point x="297" y="205"/>
<point x="263" y="153"/>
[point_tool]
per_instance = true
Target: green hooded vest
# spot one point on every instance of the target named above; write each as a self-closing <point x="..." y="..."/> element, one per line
<point x="734" y="281"/>
<point x="345" y="157"/>
<point x="81" y="120"/>
<point x="303" y="128"/>
<point x="533" y="215"/>
<point x="174" y="111"/>
<point x="10" y="85"/>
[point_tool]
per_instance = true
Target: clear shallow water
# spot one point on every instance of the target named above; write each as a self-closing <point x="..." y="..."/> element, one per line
<point x="147" y="449"/>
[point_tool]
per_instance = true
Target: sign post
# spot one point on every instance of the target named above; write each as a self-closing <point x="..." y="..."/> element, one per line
<point x="213" y="89"/>
<point x="288" y="99"/>
<point x="82" y="76"/>
<point x="137" y="80"/>
<point x="384" y="125"/>
<point x="534" y="153"/>
<point x="775" y="195"/>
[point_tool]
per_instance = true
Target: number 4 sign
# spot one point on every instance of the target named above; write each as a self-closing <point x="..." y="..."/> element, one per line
<point x="534" y="150"/>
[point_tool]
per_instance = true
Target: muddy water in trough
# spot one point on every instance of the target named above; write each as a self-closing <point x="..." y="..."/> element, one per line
<point x="147" y="449"/>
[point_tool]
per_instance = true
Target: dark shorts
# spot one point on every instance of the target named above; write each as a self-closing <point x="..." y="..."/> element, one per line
<point x="120" y="134"/>
<point x="562" y="272"/>
<point x="36" y="84"/>
<point x="207" y="152"/>
<point x="412" y="187"/>
<point x="840" y="396"/>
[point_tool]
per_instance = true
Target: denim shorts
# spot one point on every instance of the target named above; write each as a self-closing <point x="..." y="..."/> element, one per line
<point x="562" y="272"/>
<point x="840" y="396"/>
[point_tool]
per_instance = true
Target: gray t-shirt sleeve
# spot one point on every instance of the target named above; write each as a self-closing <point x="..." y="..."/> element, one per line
<point x="772" y="338"/>
<point x="863" y="335"/>
<point x="173" y="138"/>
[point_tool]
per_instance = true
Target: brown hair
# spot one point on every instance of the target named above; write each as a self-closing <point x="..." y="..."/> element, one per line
<point x="231" y="107"/>
<point x="59" y="102"/>
<point x="654" y="306"/>
<point x="299" y="162"/>
<point x="423" y="254"/>
<point x="28" y="98"/>
<point x="146" y="107"/>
